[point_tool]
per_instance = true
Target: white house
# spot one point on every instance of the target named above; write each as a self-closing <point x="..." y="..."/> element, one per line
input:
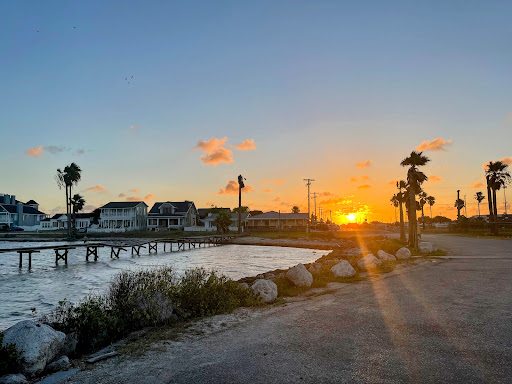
<point x="209" y="226"/>
<point x="276" y="220"/>
<point x="60" y="221"/>
<point x="172" y="215"/>
<point x="123" y="216"/>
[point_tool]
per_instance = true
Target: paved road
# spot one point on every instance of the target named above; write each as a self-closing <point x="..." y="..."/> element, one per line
<point x="449" y="321"/>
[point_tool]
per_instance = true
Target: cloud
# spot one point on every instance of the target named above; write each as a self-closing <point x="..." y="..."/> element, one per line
<point x="326" y="194"/>
<point x="393" y="182"/>
<point x="215" y="151"/>
<point x="434" y="145"/>
<point x="336" y="201"/>
<point x="477" y="184"/>
<point x="149" y="196"/>
<point x="435" y="178"/>
<point x="55" y="149"/>
<point x="35" y="152"/>
<point x="246" y="145"/>
<point x="505" y="160"/>
<point x="99" y="188"/>
<point x="280" y="181"/>
<point x="365" y="186"/>
<point x="232" y="189"/>
<point x="134" y="190"/>
<point x="133" y="198"/>
<point x="353" y="179"/>
<point x="134" y="128"/>
<point x="122" y="195"/>
<point x="267" y="190"/>
<point x="364" y="164"/>
<point x="364" y="177"/>
<point x="277" y="199"/>
<point x="264" y="181"/>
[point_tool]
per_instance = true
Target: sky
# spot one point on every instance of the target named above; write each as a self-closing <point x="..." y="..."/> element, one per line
<point x="170" y="101"/>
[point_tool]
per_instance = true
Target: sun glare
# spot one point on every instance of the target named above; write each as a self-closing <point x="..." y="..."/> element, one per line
<point x="351" y="217"/>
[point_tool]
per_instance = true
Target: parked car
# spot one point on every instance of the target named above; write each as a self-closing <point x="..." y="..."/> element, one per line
<point x="15" y="229"/>
<point x="4" y="227"/>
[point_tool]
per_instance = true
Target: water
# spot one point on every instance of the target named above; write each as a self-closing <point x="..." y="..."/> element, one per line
<point x="46" y="284"/>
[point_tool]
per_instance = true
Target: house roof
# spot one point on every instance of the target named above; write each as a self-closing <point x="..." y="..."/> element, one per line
<point x="234" y="216"/>
<point x="203" y="212"/>
<point x="123" y="204"/>
<point x="11" y="208"/>
<point x="181" y="207"/>
<point x="30" y="202"/>
<point x="273" y="215"/>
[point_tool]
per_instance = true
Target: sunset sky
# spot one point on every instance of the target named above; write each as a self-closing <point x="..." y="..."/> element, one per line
<point x="278" y="91"/>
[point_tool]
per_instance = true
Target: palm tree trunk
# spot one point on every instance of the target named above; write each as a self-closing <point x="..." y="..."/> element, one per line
<point x="69" y="212"/>
<point x="431" y="217"/>
<point x="422" y="217"/>
<point x="402" y="226"/>
<point x="479" y="209"/>
<point x="67" y="208"/>
<point x="495" y="207"/>
<point x="491" y="212"/>
<point x="413" y="239"/>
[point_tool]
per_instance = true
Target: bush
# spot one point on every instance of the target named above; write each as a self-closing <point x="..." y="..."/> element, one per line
<point x="145" y="298"/>
<point x="10" y="357"/>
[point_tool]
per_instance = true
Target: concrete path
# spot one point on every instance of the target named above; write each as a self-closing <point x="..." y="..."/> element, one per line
<point x="449" y="321"/>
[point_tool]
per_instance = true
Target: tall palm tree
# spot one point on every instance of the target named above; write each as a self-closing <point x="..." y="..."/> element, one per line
<point x="423" y="200"/>
<point x="431" y="200"/>
<point x="67" y="178"/>
<point x="479" y="197"/>
<point x="395" y="203"/>
<point x="459" y="204"/>
<point x="496" y="176"/>
<point x="401" y="199"/>
<point x="415" y="178"/>
<point x="77" y="204"/>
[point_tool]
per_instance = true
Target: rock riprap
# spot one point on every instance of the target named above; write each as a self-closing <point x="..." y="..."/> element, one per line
<point x="265" y="289"/>
<point x="369" y="262"/>
<point x="343" y="269"/>
<point x="426" y="247"/>
<point x="13" y="379"/>
<point x="403" y="253"/>
<point x="300" y="276"/>
<point x="58" y="365"/>
<point x="384" y="256"/>
<point x="40" y="344"/>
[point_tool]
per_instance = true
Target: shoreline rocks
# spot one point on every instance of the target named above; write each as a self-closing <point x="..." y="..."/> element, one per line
<point x="265" y="289"/>
<point x="403" y="253"/>
<point x="426" y="247"/>
<point x="384" y="256"/>
<point x="369" y="262"/>
<point x="343" y="269"/>
<point x="300" y="276"/>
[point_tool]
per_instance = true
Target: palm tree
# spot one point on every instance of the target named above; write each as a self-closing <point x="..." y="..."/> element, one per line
<point x="431" y="200"/>
<point x="414" y="180"/>
<point x="395" y="203"/>
<point x="68" y="177"/>
<point x="423" y="200"/>
<point x="77" y="204"/>
<point x="479" y="197"/>
<point x="459" y="204"/>
<point x="401" y="199"/>
<point x="496" y="176"/>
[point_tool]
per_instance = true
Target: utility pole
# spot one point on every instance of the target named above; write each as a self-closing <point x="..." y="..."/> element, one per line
<point x="314" y="198"/>
<point x="505" y="196"/>
<point x="240" y="186"/>
<point x="321" y="213"/>
<point x="308" y="184"/>
<point x="465" y="207"/>
<point x="331" y="215"/>
<point x="458" y="207"/>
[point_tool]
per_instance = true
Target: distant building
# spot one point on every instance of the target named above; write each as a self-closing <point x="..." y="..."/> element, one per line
<point x="275" y="220"/>
<point x="172" y="215"/>
<point x="123" y="216"/>
<point x="203" y="212"/>
<point x="16" y="213"/>
<point x="209" y="226"/>
<point x="60" y="221"/>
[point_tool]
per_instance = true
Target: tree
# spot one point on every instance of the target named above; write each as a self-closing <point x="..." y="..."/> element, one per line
<point x="96" y="214"/>
<point x="423" y="200"/>
<point x="459" y="204"/>
<point x="496" y="177"/>
<point x="67" y="178"/>
<point x="295" y="209"/>
<point x="77" y="204"/>
<point x="415" y="178"/>
<point x="441" y="219"/>
<point x="479" y="197"/>
<point x="256" y="212"/>
<point x="431" y="200"/>
<point x="401" y="199"/>
<point x="222" y="221"/>
<point x="395" y="203"/>
<point x="244" y="209"/>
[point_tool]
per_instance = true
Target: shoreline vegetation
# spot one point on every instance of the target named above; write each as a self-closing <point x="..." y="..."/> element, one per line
<point x="157" y="298"/>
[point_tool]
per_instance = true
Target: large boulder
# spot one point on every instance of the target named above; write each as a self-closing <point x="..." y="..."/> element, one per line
<point x="384" y="256"/>
<point x="13" y="379"/>
<point x="265" y="289"/>
<point x="403" y="253"/>
<point x="426" y="247"/>
<point x="300" y="276"/>
<point x="369" y="262"/>
<point x="39" y="342"/>
<point x="343" y="269"/>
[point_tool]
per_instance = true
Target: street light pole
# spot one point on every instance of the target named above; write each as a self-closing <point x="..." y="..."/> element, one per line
<point x="308" y="184"/>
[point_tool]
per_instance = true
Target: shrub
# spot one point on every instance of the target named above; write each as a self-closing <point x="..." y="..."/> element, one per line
<point x="10" y="357"/>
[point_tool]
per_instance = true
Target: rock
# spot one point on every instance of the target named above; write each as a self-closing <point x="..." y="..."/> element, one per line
<point x="265" y="289"/>
<point x="426" y="247"/>
<point x="245" y="285"/>
<point x="343" y="269"/>
<point x="39" y="342"/>
<point x="300" y="276"/>
<point x="384" y="256"/>
<point x="315" y="268"/>
<point x="61" y="364"/>
<point x="13" y="379"/>
<point x="260" y="276"/>
<point x="369" y="262"/>
<point x="269" y="276"/>
<point x="403" y="253"/>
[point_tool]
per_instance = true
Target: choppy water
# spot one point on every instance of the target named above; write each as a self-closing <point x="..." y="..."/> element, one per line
<point x="46" y="284"/>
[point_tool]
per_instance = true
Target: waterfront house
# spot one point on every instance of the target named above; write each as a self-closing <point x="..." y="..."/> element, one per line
<point x="60" y="221"/>
<point x="123" y="216"/>
<point x="16" y="213"/>
<point x="172" y="215"/>
<point x="275" y="220"/>
<point x="203" y="212"/>
<point x="209" y="226"/>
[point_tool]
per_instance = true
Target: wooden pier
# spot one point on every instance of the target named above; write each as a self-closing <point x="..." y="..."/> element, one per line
<point x="61" y="251"/>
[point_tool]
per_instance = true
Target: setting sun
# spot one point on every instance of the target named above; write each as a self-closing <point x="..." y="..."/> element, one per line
<point x="351" y="217"/>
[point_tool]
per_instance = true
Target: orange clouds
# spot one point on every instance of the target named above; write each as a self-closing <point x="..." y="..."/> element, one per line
<point x="133" y="198"/>
<point x="353" y="179"/>
<point x="435" y="178"/>
<point x="264" y="181"/>
<point x="246" y="145"/>
<point x="134" y="190"/>
<point x="98" y="188"/>
<point x="505" y="160"/>
<point x="267" y="190"/>
<point x="232" y="189"/>
<point x="149" y="196"/>
<point x="215" y="151"/>
<point x="364" y="164"/>
<point x="365" y="186"/>
<point x="280" y="181"/>
<point x="35" y="152"/>
<point x="478" y="184"/>
<point x="434" y="145"/>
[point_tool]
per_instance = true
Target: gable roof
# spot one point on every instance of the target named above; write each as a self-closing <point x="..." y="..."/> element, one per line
<point x="273" y="215"/>
<point x="27" y="209"/>
<point x="180" y="207"/>
<point x="30" y="202"/>
<point x="123" y="204"/>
